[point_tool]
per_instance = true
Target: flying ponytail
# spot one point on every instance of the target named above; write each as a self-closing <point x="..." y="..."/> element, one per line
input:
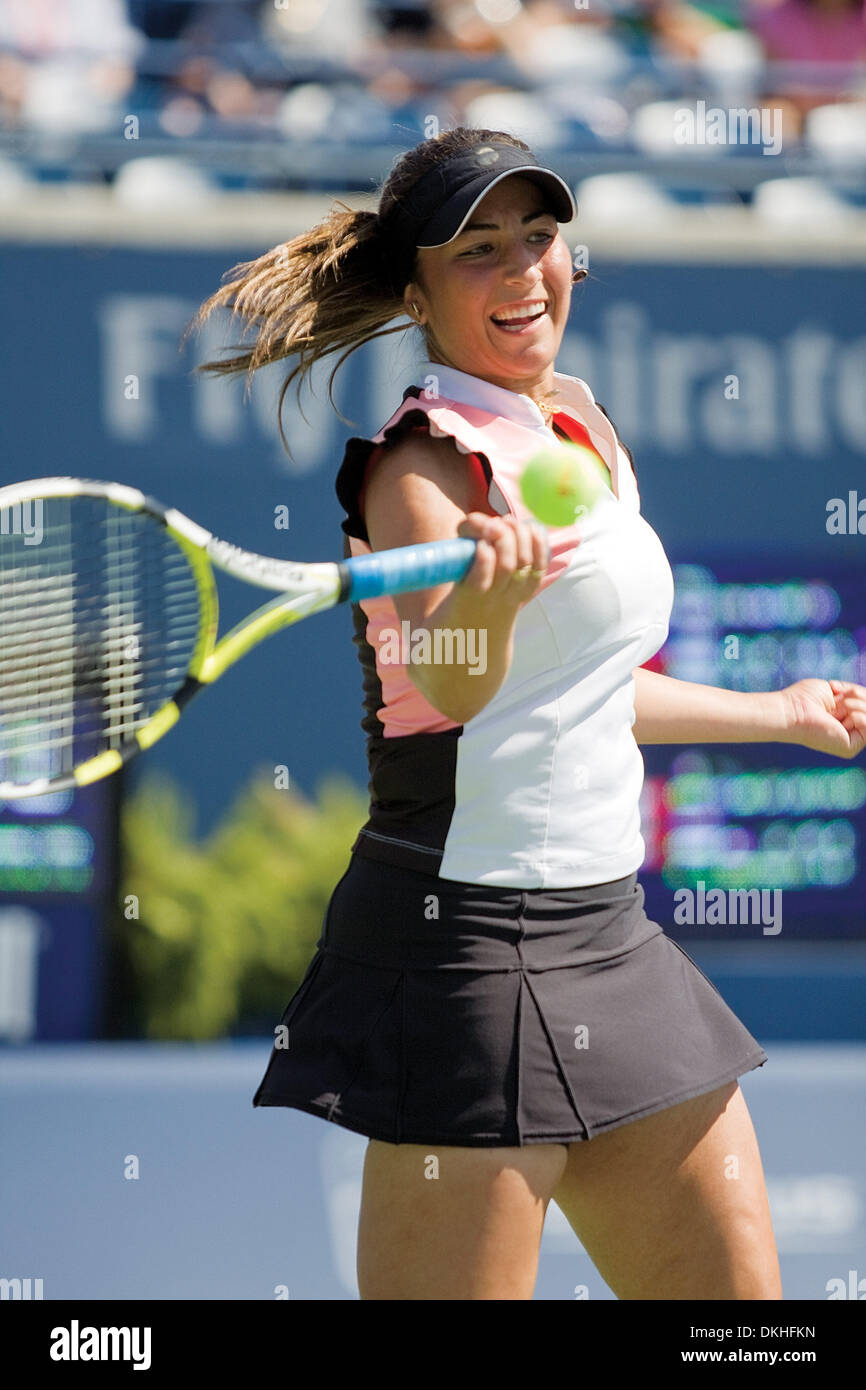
<point x="336" y="286"/>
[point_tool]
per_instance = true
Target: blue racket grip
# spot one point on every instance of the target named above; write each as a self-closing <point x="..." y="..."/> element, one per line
<point x="406" y="568"/>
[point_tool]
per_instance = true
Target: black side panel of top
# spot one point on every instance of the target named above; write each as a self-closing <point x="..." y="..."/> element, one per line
<point x="412" y="778"/>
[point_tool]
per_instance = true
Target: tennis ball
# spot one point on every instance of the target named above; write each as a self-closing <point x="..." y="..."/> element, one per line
<point x="559" y="484"/>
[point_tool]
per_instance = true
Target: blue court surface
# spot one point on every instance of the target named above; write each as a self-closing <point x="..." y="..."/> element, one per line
<point x="236" y="1203"/>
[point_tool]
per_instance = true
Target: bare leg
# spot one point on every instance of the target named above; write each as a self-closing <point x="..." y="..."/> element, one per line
<point x="674" y="1205"/>
<point x="472" y="1232"/>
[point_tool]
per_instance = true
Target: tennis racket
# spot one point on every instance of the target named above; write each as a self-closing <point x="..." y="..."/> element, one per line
<point x="109" y="615"/>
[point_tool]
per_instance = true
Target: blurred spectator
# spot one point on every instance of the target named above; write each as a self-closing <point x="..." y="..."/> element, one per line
<point x="544" y="38"/>
<point x="408" y="25"/>
<point x="409" y="91"/>
<point x="550" y="39"/>
<point x="226" y="22"/>
<point x="339" y="30"/>
<point x="38" y="29"/>
<point x="205" y="94"/>
<point x="468" y="28"/>
<point x="808" y="31"/>
<point x="679" y="30"/>
<point x="811" y="31"/>
<point x="69" y="62"/>
<point x="13" y="88"/>
<point x="162" y="19"/>
<point x="575" y="56"/>
<point x="567" y="74"/>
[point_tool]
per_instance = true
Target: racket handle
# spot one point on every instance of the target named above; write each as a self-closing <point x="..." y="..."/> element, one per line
<point x="406" y="568"/>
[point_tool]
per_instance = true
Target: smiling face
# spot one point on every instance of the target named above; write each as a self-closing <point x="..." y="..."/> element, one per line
<point x="495" y="300"/>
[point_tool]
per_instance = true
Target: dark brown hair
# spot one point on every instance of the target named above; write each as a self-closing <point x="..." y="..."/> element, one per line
<point x="336" y="286"/>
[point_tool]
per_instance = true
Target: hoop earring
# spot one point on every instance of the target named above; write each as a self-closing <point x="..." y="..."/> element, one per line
<point x="578" y="276"/>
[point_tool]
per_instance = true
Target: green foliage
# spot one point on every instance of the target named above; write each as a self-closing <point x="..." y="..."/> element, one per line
<point x="226" y="926"/>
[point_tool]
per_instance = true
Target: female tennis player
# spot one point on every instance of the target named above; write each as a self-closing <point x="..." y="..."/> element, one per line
<point x="489" y="1002"/>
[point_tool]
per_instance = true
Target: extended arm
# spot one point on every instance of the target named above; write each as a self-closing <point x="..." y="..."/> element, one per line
<point x="829" y="716"/>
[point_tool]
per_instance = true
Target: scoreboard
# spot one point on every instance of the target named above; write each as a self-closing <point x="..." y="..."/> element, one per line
<point x="58" y="878"/>
<point x="725" y="823"/>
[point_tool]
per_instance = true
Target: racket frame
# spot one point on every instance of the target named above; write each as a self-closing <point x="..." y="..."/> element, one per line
<point x="302" y="589"/>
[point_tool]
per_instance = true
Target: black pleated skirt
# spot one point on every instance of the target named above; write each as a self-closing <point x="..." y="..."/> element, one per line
<point x="440" y="1012"/>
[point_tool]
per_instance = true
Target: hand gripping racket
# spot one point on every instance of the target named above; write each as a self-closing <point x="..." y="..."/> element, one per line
<point x="108" y="620"/>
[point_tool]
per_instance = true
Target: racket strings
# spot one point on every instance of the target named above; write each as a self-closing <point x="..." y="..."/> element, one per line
<point x="99" y="620"/>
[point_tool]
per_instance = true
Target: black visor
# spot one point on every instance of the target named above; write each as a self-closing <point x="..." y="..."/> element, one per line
<point x="442" y="201"/>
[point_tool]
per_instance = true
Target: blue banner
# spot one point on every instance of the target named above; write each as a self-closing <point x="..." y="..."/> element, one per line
<point x="738" y="388"/>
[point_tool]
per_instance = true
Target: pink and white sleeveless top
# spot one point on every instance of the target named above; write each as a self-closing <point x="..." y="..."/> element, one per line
<point x="541" y="788"/>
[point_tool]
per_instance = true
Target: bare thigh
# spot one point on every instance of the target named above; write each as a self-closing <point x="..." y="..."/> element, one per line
<point x="453" y="1223"/>
<point x="674" y="1206"/>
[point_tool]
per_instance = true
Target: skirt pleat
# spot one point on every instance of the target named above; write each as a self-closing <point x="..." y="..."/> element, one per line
<point x="463" y="1014"/>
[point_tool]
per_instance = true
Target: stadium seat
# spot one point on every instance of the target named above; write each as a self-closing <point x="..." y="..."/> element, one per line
<point x="731" y="63"/>
<point x="162" y="181"/>
<point x="617" y="197"/>
<point x="340" y="113"/>
<point x="14" y="180"/>
<point x="586" y="54"/>
<point x="61" y="97"/>
<point x="522" y="114"/>
<point x="838" y="132"/>
<point x="799" y="202"/>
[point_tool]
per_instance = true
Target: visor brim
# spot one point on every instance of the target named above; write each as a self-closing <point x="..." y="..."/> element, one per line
<point x="450" y="219"/>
